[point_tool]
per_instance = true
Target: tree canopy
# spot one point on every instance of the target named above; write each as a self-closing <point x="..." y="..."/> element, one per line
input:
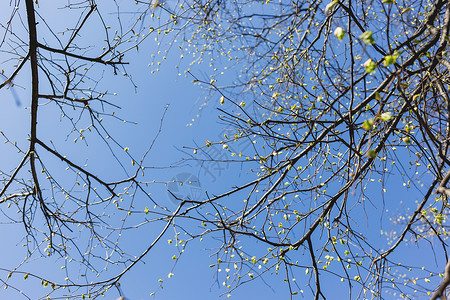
<point x="333" y="109"/>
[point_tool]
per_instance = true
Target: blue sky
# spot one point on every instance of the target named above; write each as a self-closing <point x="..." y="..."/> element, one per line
<point x="184" y="125"/>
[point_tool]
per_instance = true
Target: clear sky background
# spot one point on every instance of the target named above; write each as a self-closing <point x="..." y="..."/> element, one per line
<point x="184" y="124"/>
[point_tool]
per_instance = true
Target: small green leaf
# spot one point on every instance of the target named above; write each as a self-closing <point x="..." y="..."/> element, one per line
<point x="330" y="6"/>
<point x="405" y="10"/>
<point x="367" y="124"/>
<point x="388" y="1"/>
<point x="372" y="153"/>
<point x="370" y="66"/>
<point x="439" y="218"/>
<point x="339" y="33"/>
<point x="389" y="60"/>
<point x="386" y="116"/>
<point x="367" y="38"/>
